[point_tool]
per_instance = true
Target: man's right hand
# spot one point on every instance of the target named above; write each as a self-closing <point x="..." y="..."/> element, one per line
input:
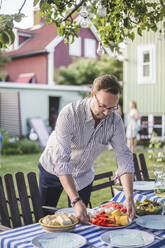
<point x="81" y="212"/>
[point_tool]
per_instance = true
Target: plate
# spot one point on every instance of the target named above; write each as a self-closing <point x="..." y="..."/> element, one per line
<point x="71" y="210"/>
<point x="111" y="228"/>
<point x="66" y="210"/>
<point x="60" y="240"/>
<point x="127" y="238"/>
<point x="143" y="185"/>
<point x="156" y="222"/>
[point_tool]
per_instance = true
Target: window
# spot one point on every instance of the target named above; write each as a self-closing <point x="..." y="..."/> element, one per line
<point x="90" y="48"/>
<point x="146" y="64"/>
<point x="75" y="48"/>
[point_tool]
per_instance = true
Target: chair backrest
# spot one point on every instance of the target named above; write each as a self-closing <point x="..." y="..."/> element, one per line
<point x="109" y="184"/>
<point x="144" y="167"/>
<point x="20" y="202"/>
<point x="138" y="176"/>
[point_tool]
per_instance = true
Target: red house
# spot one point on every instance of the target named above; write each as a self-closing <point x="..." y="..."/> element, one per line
<point x="39" y="51"/>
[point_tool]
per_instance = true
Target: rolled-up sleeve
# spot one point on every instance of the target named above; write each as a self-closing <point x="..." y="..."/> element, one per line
<point x="123" y="155"/>
<point x="59" y="144"/>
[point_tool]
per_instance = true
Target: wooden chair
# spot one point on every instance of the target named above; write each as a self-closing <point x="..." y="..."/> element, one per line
<point x="138" y="176"/>
<point x="109" y="184"/>
<point x="20" y="202"/>
<point x="144" y="168"/>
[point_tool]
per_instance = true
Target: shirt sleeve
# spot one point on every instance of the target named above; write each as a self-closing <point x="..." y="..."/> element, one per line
<point x="59" y="143"/>
<point x="123" y="155"/>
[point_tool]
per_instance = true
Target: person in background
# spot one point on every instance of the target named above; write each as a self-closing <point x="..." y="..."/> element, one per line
<point x="83" y="130"/>
<point x="133" y="126"/>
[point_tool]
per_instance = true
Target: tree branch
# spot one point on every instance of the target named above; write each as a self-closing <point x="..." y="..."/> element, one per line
<point x="76" y="7"/>
<point x="22" y="6"/>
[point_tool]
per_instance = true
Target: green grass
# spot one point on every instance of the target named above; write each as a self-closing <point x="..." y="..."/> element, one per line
<point x="26" y="163"/>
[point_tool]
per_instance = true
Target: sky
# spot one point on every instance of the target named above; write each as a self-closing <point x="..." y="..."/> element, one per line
<point x="13" y="6"/>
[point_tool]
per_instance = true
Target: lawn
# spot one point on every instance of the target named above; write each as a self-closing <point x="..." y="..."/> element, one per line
<point x="26" y="163"/>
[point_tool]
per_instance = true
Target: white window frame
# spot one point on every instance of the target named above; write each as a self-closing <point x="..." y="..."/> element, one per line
<point x="141" y="50"/>
<point x="89" y="48"/>
<point x="75" y="47"/>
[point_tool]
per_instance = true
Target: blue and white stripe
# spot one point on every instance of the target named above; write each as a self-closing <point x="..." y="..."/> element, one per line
<point x="22" y="237"/>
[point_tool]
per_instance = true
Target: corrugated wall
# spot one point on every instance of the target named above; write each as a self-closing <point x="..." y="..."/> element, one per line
<point x="10" y="119"/>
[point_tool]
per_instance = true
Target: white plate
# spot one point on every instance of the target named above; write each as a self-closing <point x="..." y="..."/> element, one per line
<point x="71" y="210"/>
<point x="156" y="222"/>
<point x="66" y="210"/>
<point x="51" y="240"/>
<point x="148" y="238"/>
<point x="143" y="185"/>
<point x="112" y="228"/>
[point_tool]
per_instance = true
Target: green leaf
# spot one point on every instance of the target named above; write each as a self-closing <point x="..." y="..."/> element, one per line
<point x="17" y="17"/>
<point x="5" y="37"/>
<point x="35" y="2"/>
<point x="139" y="30"/>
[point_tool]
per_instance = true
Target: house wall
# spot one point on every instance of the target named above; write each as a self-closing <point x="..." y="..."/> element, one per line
<point x="34" y="100"/>
<point x="34" y="64"/>
<point x="149" y="96"/>
<point x="61" y="54"/>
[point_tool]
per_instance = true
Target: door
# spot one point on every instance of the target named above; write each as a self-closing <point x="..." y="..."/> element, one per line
<point x="53" y="110"/>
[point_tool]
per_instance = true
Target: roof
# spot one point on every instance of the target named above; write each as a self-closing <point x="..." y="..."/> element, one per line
<point x="41" y="37"/>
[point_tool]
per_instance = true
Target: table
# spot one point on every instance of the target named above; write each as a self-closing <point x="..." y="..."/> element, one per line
<point x="21" y="237"/>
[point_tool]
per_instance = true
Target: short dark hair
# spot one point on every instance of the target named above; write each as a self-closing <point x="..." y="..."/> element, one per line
<point x="109" y="83"/>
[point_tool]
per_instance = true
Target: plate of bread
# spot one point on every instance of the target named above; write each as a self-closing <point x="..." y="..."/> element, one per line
<point x="60" y="221"/>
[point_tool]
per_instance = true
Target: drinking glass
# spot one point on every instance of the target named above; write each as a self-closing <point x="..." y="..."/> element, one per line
<point x="158" y="169"/>
<point x="159" y="188"/>
<point x="160" y="185"/>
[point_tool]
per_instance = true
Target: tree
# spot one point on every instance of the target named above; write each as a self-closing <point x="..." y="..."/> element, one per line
<point x="115" y="20"/>
<point x="84" y="71"/>
<point x="7" y="36"/>
<point x="3" y="61"/>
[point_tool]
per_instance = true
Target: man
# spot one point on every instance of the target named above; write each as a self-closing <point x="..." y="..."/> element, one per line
<point x="83" y="130"/>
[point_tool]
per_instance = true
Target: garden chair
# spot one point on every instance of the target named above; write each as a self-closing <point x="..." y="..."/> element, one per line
<point x="108" y="184"/>
<point x="144" y="168"/>
<point x="138" y="174"/>
<point x="20" y="202"/>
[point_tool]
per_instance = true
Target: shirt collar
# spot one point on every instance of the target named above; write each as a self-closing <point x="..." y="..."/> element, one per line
<point x="89" y="115"/>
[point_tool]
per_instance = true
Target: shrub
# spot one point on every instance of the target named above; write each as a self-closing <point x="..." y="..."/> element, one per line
<point x="12" y="145"/>
<point x="28" y="146"/>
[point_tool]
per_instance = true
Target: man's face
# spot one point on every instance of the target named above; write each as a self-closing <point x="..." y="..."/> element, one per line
<point x="103" y="103"/>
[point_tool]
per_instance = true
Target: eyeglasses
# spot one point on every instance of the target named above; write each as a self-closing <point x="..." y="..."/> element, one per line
<point x="105" y="108"/>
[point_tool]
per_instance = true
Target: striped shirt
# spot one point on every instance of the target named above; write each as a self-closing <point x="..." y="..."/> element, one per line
<point x="75" y="144"/>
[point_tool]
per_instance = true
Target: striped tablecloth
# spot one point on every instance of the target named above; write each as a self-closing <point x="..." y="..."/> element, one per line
<point x="21" y="237"/>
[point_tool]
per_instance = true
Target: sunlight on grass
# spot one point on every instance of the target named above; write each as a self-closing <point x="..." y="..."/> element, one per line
<point x="105" y="162"/>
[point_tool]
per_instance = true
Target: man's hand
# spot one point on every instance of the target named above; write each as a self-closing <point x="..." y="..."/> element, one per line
<point x="130" y="207"/>
<point x="81" y="212"/>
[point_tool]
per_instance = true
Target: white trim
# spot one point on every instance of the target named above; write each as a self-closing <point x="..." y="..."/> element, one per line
<point x="151" y="79"/>
<point x="54" y="43"/>
<point x="51" y="68"/>
<point x="150" y="124"/>
<point x="14" y="85"/>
